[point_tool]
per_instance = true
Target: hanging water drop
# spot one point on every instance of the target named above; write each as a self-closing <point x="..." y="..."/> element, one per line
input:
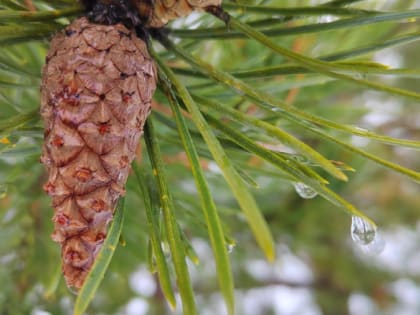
<point x="376" y="246"/>
<point x="366" y="235"/>
<point x="165" y="249"/>
<point x="304" y="191"/>
<point x="230" y="247"/>
<point x="74" y="290"/>
<point x="362" y="232"/>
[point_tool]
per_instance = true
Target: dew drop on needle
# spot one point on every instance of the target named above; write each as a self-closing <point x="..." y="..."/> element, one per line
<point x="376" y="246"/>
<point x="305" y="191"/>
<point x="166" y="249"/>
<point x="366" y="236"/>
<point x="362" y="232"/>
<point x="230" y="247"/>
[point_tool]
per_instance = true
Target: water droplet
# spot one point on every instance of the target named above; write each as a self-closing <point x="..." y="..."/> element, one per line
<point x="364" y="130"/>
<point x="360" y="76"/>
<point x="375" y="247"/>
<point x="3" y="191"/>
<point x="230" y="247"/>
<point x="300" y="158"/>
<point x="304" y="191"/>
<point x="362" y="232"/>
<point x="239" y="92"/>
<point x="166" y="249"/>
<point x="275" y="109"/>
<point x="366" y="236"/>
<point x="73" y="290"/>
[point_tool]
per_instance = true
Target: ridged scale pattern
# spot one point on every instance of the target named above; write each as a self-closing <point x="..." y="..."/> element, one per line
<point x="96" y="92"/>
<point x="160" y="12"/>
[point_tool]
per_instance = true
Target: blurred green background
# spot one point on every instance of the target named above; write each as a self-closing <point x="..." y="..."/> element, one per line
<point x="318" y="269"/>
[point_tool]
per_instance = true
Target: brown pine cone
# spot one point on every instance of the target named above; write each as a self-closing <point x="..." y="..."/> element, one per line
<point x="160" y="12"/>
<point x="96" y="92"/>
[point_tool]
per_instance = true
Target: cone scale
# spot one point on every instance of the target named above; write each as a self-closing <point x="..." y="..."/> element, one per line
<point x="158" y="13"/>
<point x="96" y="92"/>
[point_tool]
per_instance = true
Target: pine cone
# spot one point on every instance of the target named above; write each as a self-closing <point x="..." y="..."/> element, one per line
<point x="160" y="12"/>
<point x="96" y="92"/>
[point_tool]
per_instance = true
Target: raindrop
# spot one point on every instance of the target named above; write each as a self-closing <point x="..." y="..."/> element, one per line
<point x="362" y="232"/>
<point x="360" y="129"/>
<point x="300" y="159"/>
<point x="240" y="92"/>
<point x="360" y="76"/>
<point x="73" y="290"/>
<point x="366" y="235"/>
<point x="376" y="246"/>
<point x="304" y="191"/>
<point x="165" y="249"/>
<point x="230" y="247"/>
